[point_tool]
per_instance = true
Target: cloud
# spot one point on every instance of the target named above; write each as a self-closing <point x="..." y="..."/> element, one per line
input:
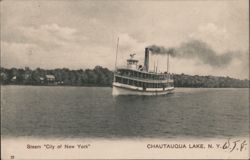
<point x="52" y="46"/>
<point x="16" y="53"/>
<point x="211" y="28"/>
<point x="47" y="45"/>
<point x="64" y="33"/>
<point x="127" y="42"/>
<point x="49" y="36"/>
<point x="217" y="36"/>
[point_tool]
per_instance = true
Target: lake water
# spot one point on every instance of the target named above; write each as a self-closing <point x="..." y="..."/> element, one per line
<point x="91" y="112"/>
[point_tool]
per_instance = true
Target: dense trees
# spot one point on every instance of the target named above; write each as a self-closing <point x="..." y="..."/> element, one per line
<point x="100" y="76"/>
<point x="182" y="80"/>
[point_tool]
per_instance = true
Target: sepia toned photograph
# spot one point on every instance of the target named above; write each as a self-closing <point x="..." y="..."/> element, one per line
<point x="124" y="79"/>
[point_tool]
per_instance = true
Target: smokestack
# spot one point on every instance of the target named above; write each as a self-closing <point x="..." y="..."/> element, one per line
<point x="146" y="60"/>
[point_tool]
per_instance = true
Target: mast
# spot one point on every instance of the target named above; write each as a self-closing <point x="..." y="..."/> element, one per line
<point x="116" y="53"/>
<point x="156" y="65"/>
<point x="168" y="63"/>
<point x="168" y="75"/>
<point x="116" y="57"/>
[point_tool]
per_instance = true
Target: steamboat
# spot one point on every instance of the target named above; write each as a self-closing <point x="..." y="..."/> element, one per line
<point x="136" y="79"/>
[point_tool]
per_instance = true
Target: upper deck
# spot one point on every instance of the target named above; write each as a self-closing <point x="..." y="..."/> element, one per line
<point x="136" y="72"/>
<point x="123" y="71"/>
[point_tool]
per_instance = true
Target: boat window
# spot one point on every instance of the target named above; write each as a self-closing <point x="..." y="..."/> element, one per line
<point x="127" y="81"/>
<point x="124" y="81"/>
<point x="141" y="75"/>
<point x="160" y="85"/>
<point x="130" y="82"/>
<point x="151" y="85"/>
<point x="136" y="83"/>
<point x="158" y="77"/>
<point x="164" y="85"/>
<point x="129" y="74"/>
<point x="144" y="86"/>
<point x="151" y="76"/>
<point x="118" y="79"/>
<point x="121" y="72"/>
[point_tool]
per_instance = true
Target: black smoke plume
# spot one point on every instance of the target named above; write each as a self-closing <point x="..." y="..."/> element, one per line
<point x="195" y="49"/>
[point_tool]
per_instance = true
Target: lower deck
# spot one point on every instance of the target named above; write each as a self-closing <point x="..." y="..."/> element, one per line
<point x="143" y="83"/>
<point x="124" y="89"/>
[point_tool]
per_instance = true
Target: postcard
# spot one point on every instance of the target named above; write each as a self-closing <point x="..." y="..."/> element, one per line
<point x="125" y="79"/>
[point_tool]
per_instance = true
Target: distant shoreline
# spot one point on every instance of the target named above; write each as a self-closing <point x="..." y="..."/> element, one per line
<point x="51" y="85"/>
<point x="111" y="86"/>
<point x="103" y="77"/>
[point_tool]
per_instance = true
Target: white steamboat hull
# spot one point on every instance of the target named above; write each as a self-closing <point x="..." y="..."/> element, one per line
<point x="122" y="89"/>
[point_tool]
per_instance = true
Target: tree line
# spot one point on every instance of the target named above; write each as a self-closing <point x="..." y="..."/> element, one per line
<point x="183" y="80"/>
<point x="99" y="76"/>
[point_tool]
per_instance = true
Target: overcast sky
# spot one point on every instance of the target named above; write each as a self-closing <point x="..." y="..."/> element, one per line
<point x="82" y="34"/>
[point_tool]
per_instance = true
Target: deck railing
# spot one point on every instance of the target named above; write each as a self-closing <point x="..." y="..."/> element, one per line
<point x="144" y="76"/>
<point x="144" y="80"/>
